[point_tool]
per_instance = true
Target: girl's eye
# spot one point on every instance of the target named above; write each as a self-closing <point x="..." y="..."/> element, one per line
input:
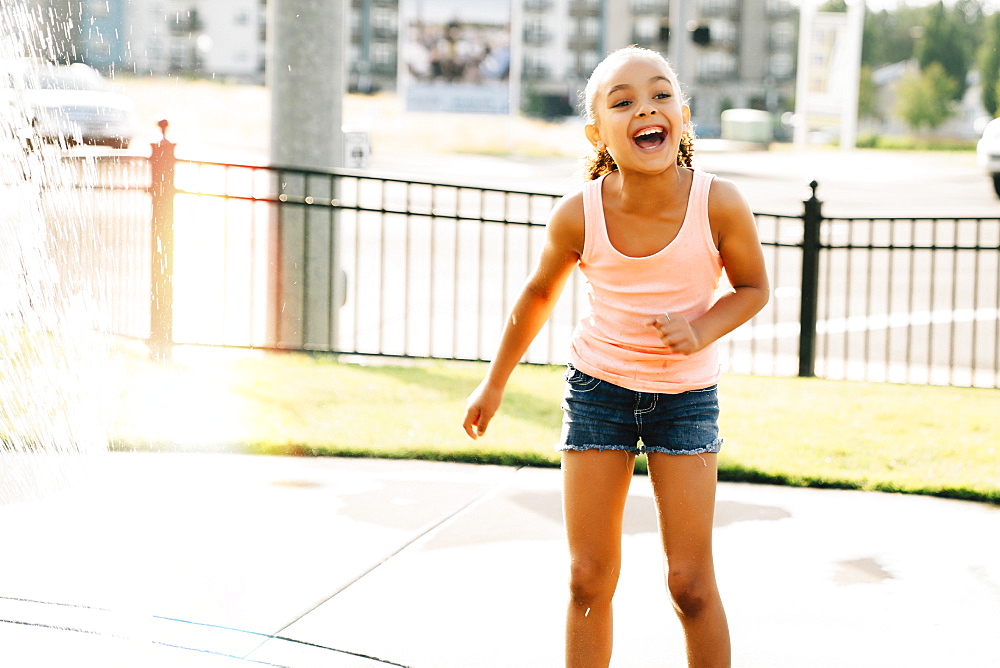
<point x="622" y="103"/>
<point x="662" y="96"/>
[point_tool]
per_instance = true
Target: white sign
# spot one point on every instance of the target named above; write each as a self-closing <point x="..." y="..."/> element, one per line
<point x="829" y="72"/>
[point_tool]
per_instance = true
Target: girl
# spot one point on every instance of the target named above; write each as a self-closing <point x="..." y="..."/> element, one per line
<point x="652" y="236"/>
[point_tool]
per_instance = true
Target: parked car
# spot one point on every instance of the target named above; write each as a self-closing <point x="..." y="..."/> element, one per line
<point x="69" y="104"/>
<point x="988" y="152"/>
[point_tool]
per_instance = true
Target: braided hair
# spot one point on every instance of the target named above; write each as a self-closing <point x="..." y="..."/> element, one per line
<point x="600" y="162"/>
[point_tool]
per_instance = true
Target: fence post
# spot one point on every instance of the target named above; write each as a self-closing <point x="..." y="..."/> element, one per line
<point x="812" y="218"/>
<point x="161" y="297"/>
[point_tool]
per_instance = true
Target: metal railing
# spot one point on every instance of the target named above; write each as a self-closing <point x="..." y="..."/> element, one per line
<point x="351" y="262"/>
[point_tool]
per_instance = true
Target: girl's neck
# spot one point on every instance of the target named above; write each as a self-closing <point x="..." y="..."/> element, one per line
<point x="637" y="192"/>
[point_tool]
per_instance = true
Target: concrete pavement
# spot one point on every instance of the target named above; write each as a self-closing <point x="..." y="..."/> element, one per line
<point x="174" y="559"/>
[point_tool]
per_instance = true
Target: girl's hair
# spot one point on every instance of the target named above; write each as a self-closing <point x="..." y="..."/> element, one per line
<point x="600" y="162"/>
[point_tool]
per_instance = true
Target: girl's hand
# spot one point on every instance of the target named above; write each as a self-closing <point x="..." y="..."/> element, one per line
<point x="677" y="334"/>
<point x="482" y="405"/>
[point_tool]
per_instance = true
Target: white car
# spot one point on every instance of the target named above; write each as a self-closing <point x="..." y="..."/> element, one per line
<point x="69" y="104"/>
<point x="988" y="152"/>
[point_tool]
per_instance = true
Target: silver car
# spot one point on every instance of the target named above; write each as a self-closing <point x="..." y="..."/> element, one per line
<point x="70" y="104"/>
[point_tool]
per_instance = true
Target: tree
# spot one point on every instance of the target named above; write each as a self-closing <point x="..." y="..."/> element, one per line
<point x="889" y="36"/>
<point x="947" y="41"/>
<point x="926" y="99"/>
<point x="989" y="64"/>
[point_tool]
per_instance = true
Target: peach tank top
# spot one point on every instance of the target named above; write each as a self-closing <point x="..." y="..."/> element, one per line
<point x="614" y="340"/>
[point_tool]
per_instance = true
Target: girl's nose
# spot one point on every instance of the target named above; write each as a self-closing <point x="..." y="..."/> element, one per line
<point x="646" y="110"/>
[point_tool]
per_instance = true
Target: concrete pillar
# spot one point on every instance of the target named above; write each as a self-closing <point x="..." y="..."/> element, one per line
<point x="306" y="76"/>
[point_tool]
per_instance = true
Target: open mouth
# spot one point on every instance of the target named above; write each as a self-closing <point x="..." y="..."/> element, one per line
<point x="650" y="138"/>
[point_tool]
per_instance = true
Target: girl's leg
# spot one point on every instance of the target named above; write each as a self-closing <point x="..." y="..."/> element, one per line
<point x="595" y="486"/>
<point x="684" y="486"/>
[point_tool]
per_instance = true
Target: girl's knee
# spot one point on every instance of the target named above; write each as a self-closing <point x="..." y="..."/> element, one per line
<point x="592" y="581"/>
<point x="692" y="591"/>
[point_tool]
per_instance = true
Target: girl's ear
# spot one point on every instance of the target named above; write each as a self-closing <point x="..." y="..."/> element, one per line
<point x="594" y="136"/>
<point x="686" y="111"/>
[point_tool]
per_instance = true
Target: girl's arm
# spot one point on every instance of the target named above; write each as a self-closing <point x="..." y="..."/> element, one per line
<point x="736" y="236"/>
<point x="560" y="255"/>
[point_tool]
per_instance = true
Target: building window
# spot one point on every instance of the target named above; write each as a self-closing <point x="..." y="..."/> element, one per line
<point x="534" y="65"/>
<point x="722" y="30"/>
<point x="588" y="61"/>
<point x="535" y="32"/>
<point x="778" y="7"/>
<point x="384" y="19"/>
<point x="715" y="65"/>
<point x="649" y="7"/>
<point x="781" y="65"/>
<point x="382" y="53"/>
<point x="782" y="35"/>
<point x="646" y="29"/>
<point x="710" y="7"/>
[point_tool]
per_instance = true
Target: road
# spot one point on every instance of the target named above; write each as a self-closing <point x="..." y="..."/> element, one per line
<point x="851" y="183"/>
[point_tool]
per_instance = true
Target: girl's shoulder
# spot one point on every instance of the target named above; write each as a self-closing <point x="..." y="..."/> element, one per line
<point x="725" y="200"/>
<point x="566" y="222"/>
<point x="569" y="208"/>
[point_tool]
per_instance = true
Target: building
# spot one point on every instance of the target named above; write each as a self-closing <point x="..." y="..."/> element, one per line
<point x="208" y="38"/>
<point x="745" y="59"/>
<point x="374" y="52"/>
<point x="742" y="51"/>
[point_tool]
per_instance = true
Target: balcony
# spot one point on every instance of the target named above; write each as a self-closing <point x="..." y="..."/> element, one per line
<point x="537" y="5"/>
<point x="536" y="34"/>
<point x="717" y="8"/>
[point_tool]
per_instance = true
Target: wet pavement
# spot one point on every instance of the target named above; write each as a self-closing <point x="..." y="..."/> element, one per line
<point x="184" y="559"/>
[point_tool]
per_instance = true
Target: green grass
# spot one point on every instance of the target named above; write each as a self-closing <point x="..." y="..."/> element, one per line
<point x="900" y="438"/>
<point x="911" y="143"/>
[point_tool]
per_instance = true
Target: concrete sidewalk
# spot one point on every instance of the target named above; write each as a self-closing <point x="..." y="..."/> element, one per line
<point x="233" y="560"/>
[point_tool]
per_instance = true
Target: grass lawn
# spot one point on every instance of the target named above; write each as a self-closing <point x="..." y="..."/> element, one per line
<point x="905" y="438"/>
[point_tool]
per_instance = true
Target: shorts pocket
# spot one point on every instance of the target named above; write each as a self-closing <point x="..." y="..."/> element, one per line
<point x="580" y="381"/>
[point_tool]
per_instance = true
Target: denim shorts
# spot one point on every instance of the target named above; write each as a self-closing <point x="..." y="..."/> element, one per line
<point x="598" y="415"/>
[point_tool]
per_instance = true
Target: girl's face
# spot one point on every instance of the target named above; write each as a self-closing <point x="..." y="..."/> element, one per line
<point x="639" y="115"/>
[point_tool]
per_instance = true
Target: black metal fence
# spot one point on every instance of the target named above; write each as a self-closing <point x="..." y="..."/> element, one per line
<point x="354" y="263"/>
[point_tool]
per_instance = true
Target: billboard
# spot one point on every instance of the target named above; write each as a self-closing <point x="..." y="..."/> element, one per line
<point x="829" y="64"/>
<point x="456" y="56"/>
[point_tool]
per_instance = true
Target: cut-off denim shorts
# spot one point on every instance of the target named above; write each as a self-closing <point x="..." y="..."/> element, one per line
<point x="598" y="415"/>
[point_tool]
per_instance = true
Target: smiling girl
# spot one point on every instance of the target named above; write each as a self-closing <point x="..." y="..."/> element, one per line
<point x="652" y="235"/>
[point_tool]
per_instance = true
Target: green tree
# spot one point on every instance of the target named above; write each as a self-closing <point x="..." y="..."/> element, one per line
<point x="989" y="65"/>
<point x="926" y="99"/>
<point x="947" y="40"/>
<point x="889" y="35"/>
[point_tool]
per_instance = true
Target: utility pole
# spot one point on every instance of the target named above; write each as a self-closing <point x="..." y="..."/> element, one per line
<point x="679" y="47"/>
<point x="306" y="76"/>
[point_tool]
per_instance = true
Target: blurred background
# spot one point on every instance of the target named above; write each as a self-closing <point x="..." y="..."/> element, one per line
<point x="928" y="71"/>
